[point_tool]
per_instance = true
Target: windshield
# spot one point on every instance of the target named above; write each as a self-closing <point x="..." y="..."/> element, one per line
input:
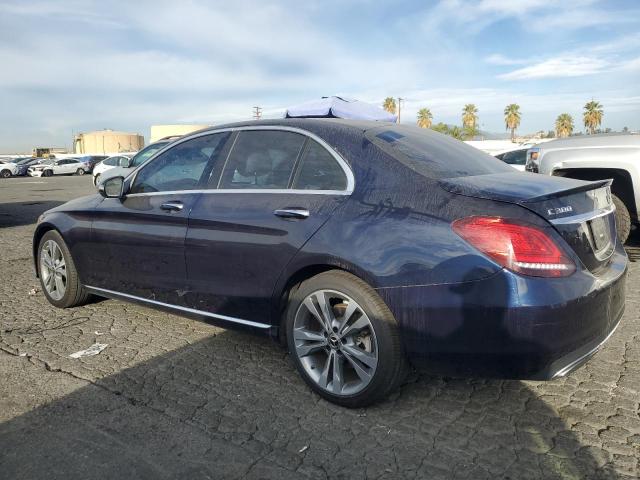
<point x="434" y="155"/>
<point x="144" y="154"/>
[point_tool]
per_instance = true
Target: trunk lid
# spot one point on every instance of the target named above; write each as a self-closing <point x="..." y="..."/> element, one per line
<point x="581" y="212"/>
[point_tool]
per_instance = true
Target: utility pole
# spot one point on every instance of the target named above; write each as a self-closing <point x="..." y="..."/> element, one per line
<point x="400" y="100"/>
<point x="257" y="113"/>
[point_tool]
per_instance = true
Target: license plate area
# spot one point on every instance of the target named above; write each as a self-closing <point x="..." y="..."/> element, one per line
<point x="600" y="233"/>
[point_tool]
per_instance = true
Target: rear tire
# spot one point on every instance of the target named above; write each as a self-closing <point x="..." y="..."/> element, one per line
<point x="623" y="219"/>
<point x="80" y="171"/>
<point x="5" y="173"/>
<point x="328" y="358"/>
<point x="57" y="271"/>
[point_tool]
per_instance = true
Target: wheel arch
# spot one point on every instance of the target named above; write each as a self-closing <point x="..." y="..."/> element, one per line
<point x="37" y="236"/>
<point x="622" y="185"/>
<point x="296" y="276"/>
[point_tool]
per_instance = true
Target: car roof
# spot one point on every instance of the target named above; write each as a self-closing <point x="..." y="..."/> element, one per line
<point x="360" y="126"/>
<point x="600" y="140"/>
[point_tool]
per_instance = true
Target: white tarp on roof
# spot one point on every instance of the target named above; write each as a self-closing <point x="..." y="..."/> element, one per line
<point x="340" y="108"/>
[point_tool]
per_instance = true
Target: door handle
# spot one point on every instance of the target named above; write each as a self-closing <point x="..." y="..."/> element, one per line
<point x="300" y="213"/>
<point x="172" y="206"/>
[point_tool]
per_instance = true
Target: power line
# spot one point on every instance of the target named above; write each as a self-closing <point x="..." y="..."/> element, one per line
<point x="257" y="113"/>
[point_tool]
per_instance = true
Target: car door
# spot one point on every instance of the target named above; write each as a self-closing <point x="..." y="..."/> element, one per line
<point x="275" y="191"/>
<point x="139" y="239"/>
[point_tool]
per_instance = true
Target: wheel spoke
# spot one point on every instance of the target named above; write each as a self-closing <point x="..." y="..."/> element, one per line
<point x="325" y="308"/>
<point x="59" y="284"/>
<point x="317" y="314"/>
<point x="361" y="323"/>
<point x="61" y="264"/>
<point x="46" y="258"/>
<point x="304" y="334"/>
<point x="324" y="376"/>
<point x="348" y="313"/>
<point x="367" y="358"/>
<point x="337" y="380"/>
<point x="364" y="375"/>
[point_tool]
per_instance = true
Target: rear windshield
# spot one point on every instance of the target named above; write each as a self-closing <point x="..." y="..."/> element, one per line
<point x="434" y="155"/>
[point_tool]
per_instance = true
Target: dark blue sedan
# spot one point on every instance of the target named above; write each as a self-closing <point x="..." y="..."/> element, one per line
<point x="364" y="247"/>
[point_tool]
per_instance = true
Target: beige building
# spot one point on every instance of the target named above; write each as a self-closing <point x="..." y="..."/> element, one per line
<point x="161" y="131"/>
<point x="105" y="142"/>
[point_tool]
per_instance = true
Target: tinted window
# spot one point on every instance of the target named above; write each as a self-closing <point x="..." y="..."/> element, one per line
<point x="517" y="157"/>
<point x="144" y="154"/>
<point x="112" y="161"/>
<point x="262" y="159"/>
<point x="432" y="154"/>
<point x="319" y="170"/>
<point x="180" y="167"/>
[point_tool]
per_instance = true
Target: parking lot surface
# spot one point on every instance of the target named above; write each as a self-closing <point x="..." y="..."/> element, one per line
<point x="171" y="397"/>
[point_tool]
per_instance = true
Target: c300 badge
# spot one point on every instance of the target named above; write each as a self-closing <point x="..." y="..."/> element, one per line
<point x="559" y="210"/>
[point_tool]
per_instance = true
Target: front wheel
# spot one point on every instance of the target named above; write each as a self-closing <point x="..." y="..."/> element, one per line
<point x="58" y="274"/>
<point x="5" y="173"/>
<point x="80" y="171"/>
<point x="47" y="173"/>
<point x="623" y="219"/>
<point x="344" y="340"/>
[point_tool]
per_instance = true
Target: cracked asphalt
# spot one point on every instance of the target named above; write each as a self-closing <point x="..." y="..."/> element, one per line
<point x="174" y="398"/>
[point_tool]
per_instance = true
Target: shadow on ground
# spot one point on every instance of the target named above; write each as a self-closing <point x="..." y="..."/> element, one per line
<point x="231" y="406"/>
<point x="24" y="213"/>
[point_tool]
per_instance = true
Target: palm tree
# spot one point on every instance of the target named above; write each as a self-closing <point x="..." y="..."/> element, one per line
<point x="389" y="105"/>
<point x="424" y="118"/>
<point x="592" y="115"/>
<point x="469" y="116"/>
<point x="564" y="125"/>
<point x="512" y="119"/>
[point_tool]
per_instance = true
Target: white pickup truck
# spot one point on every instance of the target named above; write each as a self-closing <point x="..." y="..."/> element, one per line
<point x="597" y="157"/>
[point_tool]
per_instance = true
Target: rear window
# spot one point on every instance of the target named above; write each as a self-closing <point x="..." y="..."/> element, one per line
<point x="434" y="155"/>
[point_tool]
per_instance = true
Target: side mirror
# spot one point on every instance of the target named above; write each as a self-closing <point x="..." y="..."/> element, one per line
<point x="112" y="187"/>
<point x="125" y="162"/>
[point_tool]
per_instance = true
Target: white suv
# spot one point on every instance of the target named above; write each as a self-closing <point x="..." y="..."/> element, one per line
<point x="65" y="166"/>
<point x="7" y="168"/>
<point x="108" y="164"/>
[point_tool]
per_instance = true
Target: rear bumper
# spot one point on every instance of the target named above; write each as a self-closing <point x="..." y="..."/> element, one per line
<point x="510" y="326"/>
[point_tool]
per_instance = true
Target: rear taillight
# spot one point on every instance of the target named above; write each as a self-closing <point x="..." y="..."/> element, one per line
<point x="521" y="248"/>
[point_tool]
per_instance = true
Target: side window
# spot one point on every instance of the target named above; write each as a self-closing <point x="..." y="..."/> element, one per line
<point x="180" y="167"/>
<point x="262" y="159"/>
<point x="319" y="170"/>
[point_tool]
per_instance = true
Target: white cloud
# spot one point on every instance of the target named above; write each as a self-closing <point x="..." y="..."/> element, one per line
<point x="559" y="67"/>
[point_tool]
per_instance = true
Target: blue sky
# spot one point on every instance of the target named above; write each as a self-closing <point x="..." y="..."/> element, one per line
<point x="71" y="66"/>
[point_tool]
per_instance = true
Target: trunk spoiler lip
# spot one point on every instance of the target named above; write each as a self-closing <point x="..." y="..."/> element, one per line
<point x="591" y="185"/>
<point x="459" y="186"/>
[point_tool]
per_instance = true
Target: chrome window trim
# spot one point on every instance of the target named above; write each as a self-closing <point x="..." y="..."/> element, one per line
<point x="241" y="321"/>
<point x="343" y="164"/>
<point x="244" y="190"/>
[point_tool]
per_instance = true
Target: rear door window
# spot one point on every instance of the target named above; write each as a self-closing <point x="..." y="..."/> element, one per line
<point x="319" y="170"/>
<point x="432" y="154"/>
<point x="262" y="159"/>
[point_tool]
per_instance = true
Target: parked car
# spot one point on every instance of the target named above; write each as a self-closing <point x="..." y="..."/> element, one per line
<point x="65" y="166"/>
<point x="597" y="157"/>
<point x="358" y="245"/>
<point x="138" y="159"/>
<point x="23" y="165"/>
<point x="516" y="158"/>
<point x="91" y="161"/>
<point x="7" y="168"/>
<point x="108" y="164"/>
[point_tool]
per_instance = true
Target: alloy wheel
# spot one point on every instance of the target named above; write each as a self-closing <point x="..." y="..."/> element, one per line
<point x="53" y="269"/>
<point x="335" y="342"/>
